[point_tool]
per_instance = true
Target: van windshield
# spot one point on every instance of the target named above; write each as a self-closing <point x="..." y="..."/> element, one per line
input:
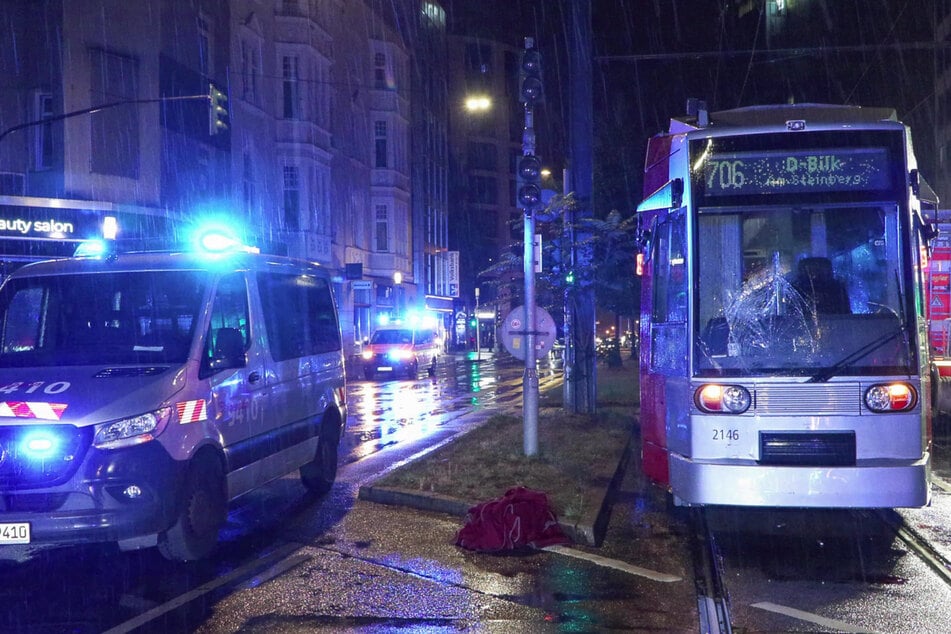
<point x="392" y="336"/>
<point x="102" y="318"/>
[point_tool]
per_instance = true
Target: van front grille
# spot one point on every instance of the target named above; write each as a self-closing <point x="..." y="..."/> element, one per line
<point x="33" y="456"/>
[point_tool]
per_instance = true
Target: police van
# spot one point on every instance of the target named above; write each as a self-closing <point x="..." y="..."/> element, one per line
<point x="140" y="393"/>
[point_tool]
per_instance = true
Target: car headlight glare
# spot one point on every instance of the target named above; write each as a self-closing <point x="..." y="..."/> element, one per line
<point x="133" y="430"/>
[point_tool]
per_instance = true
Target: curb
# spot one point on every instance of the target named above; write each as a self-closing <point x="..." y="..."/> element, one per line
<point x="589" y="530"/>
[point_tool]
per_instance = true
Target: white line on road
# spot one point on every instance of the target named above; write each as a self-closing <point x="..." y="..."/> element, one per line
<point x="614" y="563"/>
<point x="205" y="588"/>
<point x="809" y="617"/>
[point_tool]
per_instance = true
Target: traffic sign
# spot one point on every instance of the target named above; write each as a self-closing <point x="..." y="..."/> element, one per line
<point x="514" y="332"/>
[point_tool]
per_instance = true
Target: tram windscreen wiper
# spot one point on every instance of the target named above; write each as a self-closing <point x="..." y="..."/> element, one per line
<point x="853" y="357"/>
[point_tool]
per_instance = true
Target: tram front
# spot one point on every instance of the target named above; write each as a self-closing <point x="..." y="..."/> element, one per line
<point x="806" y="380"/>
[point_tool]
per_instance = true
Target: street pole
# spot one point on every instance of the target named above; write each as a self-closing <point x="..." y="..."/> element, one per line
<point x="478" y="328"/>
<point x="529" y="197"/>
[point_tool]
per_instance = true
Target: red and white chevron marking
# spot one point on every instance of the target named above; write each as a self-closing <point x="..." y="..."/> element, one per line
<point x="30" y="409"/>
<point x="192" y="411"/>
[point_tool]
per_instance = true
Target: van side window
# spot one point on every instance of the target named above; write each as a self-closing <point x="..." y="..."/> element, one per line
<point x="299" y="315"/>
<point x="229" y="319"/>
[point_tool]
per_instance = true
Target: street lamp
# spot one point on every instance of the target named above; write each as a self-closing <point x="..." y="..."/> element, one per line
<point x="397" y="282"/>
<point x="478" y="103"/>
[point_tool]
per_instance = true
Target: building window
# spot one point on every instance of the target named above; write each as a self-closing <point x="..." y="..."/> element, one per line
<point x="379" y="131"/>
<point x="43" y="133"/>
<point x="114" y="132"/>
<point x="379" y="71"/>
<point x="291" y="198"/>
<point x="382" y="229"/>
<point x="291" y="70"/>
<point x="482" y="189"/>
<point x="321" y="202"/>
<point x="250" y="70"/>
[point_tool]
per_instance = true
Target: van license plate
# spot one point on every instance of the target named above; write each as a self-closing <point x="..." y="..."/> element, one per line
<point x="15" y="533"/>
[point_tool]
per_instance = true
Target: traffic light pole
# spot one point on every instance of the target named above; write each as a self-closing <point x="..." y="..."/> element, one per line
<point x="94" y="109"/>
<point x="529" y="198"/>
<point x="530" y="379"/>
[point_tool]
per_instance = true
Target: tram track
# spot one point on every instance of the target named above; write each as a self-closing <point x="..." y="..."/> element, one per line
<point x="713" y="603"/>
<point x="917" y="543"/>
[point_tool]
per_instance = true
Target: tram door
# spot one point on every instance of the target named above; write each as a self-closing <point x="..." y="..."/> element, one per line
<point x="665" y="394"/>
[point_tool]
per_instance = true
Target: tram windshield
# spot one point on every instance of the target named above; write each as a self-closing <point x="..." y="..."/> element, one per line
<point x="806" y="290"/>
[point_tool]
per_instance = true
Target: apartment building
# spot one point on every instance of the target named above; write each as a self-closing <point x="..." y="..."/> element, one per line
<point x="321" y="157"/>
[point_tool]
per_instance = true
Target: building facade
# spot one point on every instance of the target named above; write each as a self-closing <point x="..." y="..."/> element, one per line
<point x="320" y="158"/>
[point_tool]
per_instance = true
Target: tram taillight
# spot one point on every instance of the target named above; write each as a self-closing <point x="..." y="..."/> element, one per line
<point x="722" y="399"/>
<point x="891" y="397"/>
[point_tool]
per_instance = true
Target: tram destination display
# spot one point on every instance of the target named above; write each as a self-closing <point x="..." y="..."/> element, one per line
<point x="786" y="171"/>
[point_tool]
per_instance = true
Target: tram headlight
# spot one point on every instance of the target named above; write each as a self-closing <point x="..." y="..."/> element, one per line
<point x="891" y="397"/>
<point x="723" y="399"/>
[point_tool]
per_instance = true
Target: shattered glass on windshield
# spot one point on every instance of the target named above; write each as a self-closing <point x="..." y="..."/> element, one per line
<point x="795" y="290"/>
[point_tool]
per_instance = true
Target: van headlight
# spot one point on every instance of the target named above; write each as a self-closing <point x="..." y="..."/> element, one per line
<point x="134" y="430"/>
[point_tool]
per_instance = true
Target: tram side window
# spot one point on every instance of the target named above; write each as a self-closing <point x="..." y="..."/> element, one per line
<point x="670" y="277"/>
<point x="669" y="311"/>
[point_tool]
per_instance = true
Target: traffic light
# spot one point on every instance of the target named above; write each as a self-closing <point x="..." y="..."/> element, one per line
<point x="528" y="190"/>
<point x="530" y="77"/>
<point x="570" y="278"/>
<point x="473" y="322"/>
<point x="217" y="112"/>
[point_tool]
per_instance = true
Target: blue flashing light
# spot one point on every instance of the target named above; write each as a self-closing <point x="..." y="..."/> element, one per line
<point x="219" y="239"/>
<point x="94" y="248"/>
<point x="39" y="445"/>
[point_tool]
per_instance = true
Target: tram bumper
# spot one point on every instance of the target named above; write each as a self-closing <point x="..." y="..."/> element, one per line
<point x="867" y="484"/>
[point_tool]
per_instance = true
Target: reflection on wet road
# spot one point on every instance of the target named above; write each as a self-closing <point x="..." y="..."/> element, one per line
<point x="386" y="412"/>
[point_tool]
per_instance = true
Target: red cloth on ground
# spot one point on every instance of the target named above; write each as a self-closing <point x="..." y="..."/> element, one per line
<point x="520" y="518"/>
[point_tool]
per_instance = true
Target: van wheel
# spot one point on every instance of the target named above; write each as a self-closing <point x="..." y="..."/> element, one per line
<point x="202" y="510"/>
<point x="368" y="374"/>
<point x="318" y="475"/>
<point x="431" y="370"/>
<point x="413" y="370"/>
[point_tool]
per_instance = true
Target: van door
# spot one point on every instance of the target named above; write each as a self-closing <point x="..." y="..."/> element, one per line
<point x="236" y="369"/>
<point x="304" y="345"/>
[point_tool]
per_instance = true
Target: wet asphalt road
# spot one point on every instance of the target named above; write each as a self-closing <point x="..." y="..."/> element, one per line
<point x="291" y="563"/>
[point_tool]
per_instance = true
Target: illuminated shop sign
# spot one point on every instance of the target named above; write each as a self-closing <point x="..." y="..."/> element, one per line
<point x="786" y="171"/>
<point x="22" y="227"/>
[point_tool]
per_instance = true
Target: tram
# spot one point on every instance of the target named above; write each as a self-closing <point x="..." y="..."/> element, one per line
<point x="784" y="354"/>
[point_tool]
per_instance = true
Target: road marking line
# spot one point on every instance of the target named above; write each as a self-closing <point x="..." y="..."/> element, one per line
<point x="809" y="617"/>
<point x="614" y="563"/>
<point x="205" y="588"/>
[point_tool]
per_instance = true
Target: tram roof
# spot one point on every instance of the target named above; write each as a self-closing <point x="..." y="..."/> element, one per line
<point x="769" y="115"/>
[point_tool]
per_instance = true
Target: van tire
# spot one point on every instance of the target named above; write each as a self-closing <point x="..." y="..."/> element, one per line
<point x="318" y="475"/>
<point x="203" y="507"/>
<point x="368" y="374"/>
<point x="413" y="370"/>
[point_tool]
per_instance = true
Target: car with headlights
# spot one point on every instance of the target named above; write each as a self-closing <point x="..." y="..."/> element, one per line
<point x="140" y="393"/>
<point x="401" y="350"/>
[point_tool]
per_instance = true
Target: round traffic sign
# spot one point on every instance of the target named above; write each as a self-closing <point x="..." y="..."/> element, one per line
<point x="515" y="334"/>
